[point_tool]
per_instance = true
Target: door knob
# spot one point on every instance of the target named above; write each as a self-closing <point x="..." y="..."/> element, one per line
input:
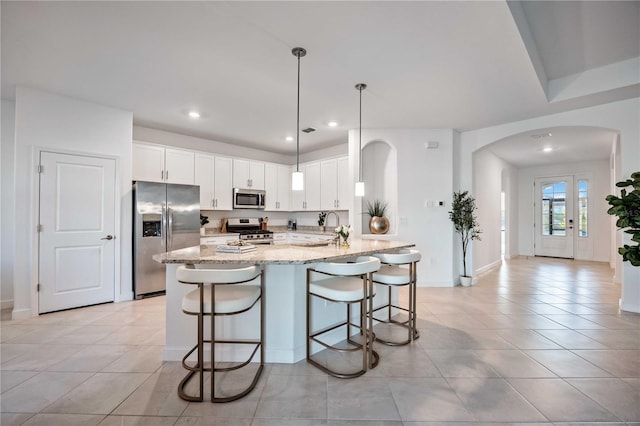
<point x="108" y="237"/>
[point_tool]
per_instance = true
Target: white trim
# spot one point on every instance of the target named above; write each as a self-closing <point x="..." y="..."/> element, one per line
<point x="629" y="307"/>
<point x="486" y="268"/>
<point x="21" y="314"/>
<point x="432" y="283"/>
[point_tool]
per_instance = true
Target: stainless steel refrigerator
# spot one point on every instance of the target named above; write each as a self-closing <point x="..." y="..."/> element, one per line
<point x="166" y="217"/>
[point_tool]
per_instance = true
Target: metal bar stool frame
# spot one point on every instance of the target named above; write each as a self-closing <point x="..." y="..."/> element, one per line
<point x="199" y="368"/>
<point x="370" y="357"/>
<point x="410" y="323"/>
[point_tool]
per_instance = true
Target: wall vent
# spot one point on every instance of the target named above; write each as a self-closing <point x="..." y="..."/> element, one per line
<point x="309" y="130"/>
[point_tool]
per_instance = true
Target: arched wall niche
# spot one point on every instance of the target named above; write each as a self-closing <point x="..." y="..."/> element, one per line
<point x="380" y="174"/>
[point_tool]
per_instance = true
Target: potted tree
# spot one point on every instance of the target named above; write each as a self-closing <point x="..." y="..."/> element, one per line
<point x="465" y="223"/>
<point x="378" y="223"/>
<point x="627" y="209"/>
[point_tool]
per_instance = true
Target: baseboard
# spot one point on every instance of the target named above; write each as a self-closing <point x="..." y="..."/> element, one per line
<point x="486" y="268"/>
<point x="125" y="297"/>
<point x="424" y="283"/>
<point x="6" y="304"/>
<point x="19" y="314"/>
<point x="629" y="307"/>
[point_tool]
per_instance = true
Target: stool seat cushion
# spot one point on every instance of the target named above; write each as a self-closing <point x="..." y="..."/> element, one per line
<point x="341" y="289"/>
<point x="392" y="275"/>
<point x="229" y="299"/>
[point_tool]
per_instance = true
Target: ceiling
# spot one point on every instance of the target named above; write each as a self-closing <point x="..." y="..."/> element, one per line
<point x="460" y="65"/>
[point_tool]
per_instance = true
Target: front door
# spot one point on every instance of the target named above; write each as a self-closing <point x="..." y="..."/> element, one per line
<point x="77" y="231"/>
<point x="554" y="217"/>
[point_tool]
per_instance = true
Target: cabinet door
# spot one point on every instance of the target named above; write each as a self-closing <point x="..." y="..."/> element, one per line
<point x="312" y="186"/>
<point x="223" y="183"/>
<point x="345" y="188"/>
<point x="298" y="198"/>
<point x="203" y="176"/>
<point x="284" y="188"/>
<point x="179" y="165"/>
<point x="329" y="185"/>
<point x="147" y="162"/>
<point x="256" y="175"/>
<point x="271" y="187"/>
<point x="241" y="173"/>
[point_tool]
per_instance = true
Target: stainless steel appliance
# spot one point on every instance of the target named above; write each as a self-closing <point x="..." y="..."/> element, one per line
<point x="248" y="198"/>
<point x="249" y="230"/>
<point x="166" y="217"/>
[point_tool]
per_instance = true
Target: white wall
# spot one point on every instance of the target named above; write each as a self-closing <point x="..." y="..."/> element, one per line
<point x="7" y="233"/>
<point x="599" y="222"/>
<point x="47" y="120"/>
<point x="423" y="174"/>
<point x="622" y="116"/>
<point x="491" y="174"/>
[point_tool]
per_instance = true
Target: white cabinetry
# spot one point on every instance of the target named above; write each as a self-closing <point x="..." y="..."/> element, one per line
<point x="156" y="163"/>
<point x="248" y="174"/>
<point x="277" y="182"/>
<point x="309" y="198"/>
<point x="213" y="174"/>
<point x="334" y="183"/>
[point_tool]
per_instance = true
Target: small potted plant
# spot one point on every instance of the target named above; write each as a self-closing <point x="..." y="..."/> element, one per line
<point x="322" y="217"/>
<point x="203" y="221"/>
<point x="378" y="223"/>
<point x="465" y="223"/>
<point x="627" y="209"/>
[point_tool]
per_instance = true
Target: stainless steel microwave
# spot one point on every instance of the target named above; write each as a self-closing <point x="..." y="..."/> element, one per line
<point x="248" y="198"/>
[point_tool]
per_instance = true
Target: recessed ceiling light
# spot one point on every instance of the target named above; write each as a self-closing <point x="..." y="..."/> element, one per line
<point x="289" y="139"/>
<point x="332" y="123"/>
<point x="194" y="114"/>
<point x="547" y="149"/>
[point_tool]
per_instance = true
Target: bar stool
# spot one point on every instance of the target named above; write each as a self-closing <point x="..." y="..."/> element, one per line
<point x="346" y="283"/>
<point x="227" y="298"/>
<point x="392" y="274"/>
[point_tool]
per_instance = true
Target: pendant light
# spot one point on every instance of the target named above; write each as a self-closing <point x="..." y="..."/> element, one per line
<point x="360" y="182"/>
<point x="297" y="178"/>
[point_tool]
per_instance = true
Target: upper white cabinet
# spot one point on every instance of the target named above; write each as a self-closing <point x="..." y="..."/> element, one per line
<point x="335" y="185"/>
<point x="214" y="176"/>
<point x="248" y="174"/>
<point x="155" y="163"/>
<point x="309" y="198"/>
<point x="277" y="184"/>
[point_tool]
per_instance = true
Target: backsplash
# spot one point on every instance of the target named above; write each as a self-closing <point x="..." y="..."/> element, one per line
<point x="275" y="218"/>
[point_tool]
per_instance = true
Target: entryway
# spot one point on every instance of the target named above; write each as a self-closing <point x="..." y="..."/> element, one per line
<point x="77" y="223"/>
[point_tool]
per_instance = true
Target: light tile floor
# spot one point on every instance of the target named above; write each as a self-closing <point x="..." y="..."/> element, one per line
<point x="537" y="341"/>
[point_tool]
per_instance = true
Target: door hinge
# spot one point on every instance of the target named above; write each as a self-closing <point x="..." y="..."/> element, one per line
<point x="38" y="287"/>
<point x="40" y="168"/>
<point x="38" y="228"/>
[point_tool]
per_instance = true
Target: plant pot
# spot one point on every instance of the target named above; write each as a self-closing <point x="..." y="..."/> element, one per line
<point x="465" y="281"/>
<point x="203" y="232"/>
<point x="378" y="225"/>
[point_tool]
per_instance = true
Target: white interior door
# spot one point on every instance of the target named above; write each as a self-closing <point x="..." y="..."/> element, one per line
<point x="77" y="231"/>
<point x="554" y="220"/>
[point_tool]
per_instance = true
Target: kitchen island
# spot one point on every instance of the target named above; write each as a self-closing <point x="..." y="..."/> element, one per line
<point x="285" y="269"/>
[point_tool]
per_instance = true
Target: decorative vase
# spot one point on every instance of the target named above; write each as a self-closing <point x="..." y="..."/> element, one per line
<point x="378" y="225"/>
<point x="322" y="228"/>
<point x="344" y="241"/>
<point x="465" y="281"/>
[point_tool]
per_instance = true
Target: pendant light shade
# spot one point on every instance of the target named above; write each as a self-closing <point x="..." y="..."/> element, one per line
<point x="360" y="182"/>
<point x="297" y="178"/>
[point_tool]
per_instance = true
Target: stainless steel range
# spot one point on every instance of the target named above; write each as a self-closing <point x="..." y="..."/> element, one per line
<point x="250" y="230"/>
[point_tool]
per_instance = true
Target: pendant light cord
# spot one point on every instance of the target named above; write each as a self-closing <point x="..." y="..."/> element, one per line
<point x="360" y="141"/>
<point x="298" y="119"/>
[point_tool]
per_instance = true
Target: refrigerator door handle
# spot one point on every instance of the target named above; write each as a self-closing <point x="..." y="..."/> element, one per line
<point x="163" y="226"/>
<point x="169" y="228"/>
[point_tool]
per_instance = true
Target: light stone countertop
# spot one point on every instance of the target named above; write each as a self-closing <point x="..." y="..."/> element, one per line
<point x="285" y="254"/>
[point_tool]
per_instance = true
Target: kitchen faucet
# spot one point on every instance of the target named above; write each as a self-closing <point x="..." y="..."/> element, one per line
<point x="335" y="214"/>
